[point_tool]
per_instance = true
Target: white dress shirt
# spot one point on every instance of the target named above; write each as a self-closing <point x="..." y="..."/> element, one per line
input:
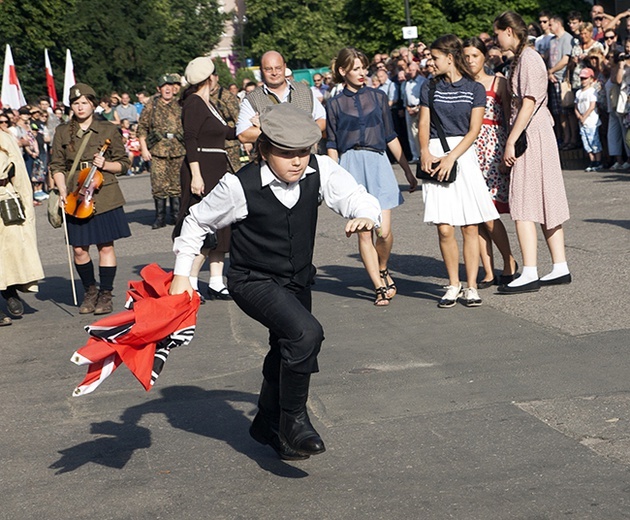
<point x="226" y="204"/>
<point x="247" y="111"/>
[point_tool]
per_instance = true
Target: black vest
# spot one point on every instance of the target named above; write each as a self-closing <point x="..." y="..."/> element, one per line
<point x="274" y="239"/>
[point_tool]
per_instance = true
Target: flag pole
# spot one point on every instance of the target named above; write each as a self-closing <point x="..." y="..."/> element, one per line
<point x="65" y="230"/>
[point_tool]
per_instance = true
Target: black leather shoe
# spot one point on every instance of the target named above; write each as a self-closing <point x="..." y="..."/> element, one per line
<point x="560" y="280"/>
<point x="223" y="294"/>
<point x="505" y="279"/>
<point x="262" y="431"/>
<point x="528" y="287"/>
<point x="14" y="304"/>
<point x="299" y="434"/>
<point x="484" y="284"/>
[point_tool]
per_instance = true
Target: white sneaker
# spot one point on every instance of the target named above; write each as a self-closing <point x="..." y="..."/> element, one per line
<point x="625" y="166"/>
<point x="616" y="166"/>
<point x="589" y="168"/>
<point x="471" y="297"/>
<point x="450" y="298"/>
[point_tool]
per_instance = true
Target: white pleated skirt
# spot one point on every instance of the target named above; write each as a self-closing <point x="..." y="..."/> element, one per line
<point x="463" y="202"/>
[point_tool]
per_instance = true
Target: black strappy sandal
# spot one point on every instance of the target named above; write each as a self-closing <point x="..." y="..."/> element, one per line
<point x="388" y="286"/>
<point x="381" y="296"/>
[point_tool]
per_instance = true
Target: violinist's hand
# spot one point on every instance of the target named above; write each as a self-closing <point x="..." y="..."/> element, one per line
<point x="63" y="194"/>
<point x="99" y="161"/>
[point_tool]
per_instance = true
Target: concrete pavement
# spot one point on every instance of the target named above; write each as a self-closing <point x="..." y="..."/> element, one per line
<point x="519" y="409"/>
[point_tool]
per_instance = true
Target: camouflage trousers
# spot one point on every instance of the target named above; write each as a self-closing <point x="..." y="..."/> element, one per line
<point x="165" y="175"/>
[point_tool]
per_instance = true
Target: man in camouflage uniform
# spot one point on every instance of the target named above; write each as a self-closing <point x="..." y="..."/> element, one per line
<point x="228" y="106"/>
<point x="161" y="140"/>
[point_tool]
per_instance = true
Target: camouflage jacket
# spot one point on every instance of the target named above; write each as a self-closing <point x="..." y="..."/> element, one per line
<point x="165" y="120"/>
<point x="228" y="106"/>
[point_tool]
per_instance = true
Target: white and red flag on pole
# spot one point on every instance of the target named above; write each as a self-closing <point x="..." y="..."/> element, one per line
<point x="11" y="95"/>
<point x="68" y="79"/>
<point x="50" y="81"/>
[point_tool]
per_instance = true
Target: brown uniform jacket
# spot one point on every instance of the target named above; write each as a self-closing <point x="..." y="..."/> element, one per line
<point x="109" y="196"/>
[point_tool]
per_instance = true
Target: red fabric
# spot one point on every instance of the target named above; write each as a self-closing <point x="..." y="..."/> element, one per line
<point x="130" y="336"/>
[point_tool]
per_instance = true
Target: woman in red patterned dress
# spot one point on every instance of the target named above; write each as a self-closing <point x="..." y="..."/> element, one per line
<point x="490" y="145"/>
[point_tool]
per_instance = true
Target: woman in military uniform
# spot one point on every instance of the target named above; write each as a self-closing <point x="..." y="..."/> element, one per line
<point x="108" y="223"/>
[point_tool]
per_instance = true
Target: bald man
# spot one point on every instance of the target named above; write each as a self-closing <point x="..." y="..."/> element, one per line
<point x="275" y="89"/>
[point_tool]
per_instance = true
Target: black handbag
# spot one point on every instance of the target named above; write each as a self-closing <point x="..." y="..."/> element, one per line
<point x="11" y="208"/>
<point x="521" y="143"/>
<point x="420" y="173"/>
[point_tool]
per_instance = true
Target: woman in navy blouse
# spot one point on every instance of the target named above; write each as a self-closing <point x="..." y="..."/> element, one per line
<point x="359" y="129"/>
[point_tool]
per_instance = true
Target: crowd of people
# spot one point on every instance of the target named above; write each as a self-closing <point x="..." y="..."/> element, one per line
<point x="473" y="116"/>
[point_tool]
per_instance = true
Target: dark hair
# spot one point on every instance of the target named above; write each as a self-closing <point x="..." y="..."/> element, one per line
<point x="451" y="44"/>
<point x="345" y="60"/>
<point x="262" y="146"/>
<point x="575" y="15"/>
<point x="533" y="29"/>
<point x="43" y="98"/>
<point x="545" y="12"/>
<point x="515" y="22"/>
<point x="190" y="90"/>
<point x="477" y="43"/>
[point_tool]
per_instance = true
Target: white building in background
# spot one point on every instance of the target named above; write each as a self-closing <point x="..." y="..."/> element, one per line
<point x="228" y="48"/>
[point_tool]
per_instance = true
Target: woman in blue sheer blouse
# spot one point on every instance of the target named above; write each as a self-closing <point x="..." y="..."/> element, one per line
<point x="359" y="129"/>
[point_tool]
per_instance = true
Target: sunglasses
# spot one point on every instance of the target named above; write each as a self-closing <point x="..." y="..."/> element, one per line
<point x="4" y="121"/>
<point x="610" y="37"/>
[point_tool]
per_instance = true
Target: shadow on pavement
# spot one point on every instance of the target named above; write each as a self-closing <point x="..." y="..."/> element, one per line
<point x="621" y="223"/>
<point x="202" y="412"/>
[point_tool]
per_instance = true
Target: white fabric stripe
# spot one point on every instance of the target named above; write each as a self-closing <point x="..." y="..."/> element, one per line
<point x="106" y="370"/>
<point x="80" y="360"/>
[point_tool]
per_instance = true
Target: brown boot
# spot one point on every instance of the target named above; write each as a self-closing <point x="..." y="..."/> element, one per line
<point x="104" y="303"/>
<point x="89" y="300"/>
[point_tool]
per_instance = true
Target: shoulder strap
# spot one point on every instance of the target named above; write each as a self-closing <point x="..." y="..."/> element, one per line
<point x="77" y="158"/>
<point x="436" y="119"/>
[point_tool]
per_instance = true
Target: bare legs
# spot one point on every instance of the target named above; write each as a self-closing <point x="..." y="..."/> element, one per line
<point x="494" y="231"/>
<point x="450" y="252"/>
<point x="216" y="259"/>
<point x="375" y="254"/>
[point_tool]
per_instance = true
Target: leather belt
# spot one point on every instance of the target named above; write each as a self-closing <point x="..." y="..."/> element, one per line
<point x="357" y="147"/>
<point x="85" y="164"/>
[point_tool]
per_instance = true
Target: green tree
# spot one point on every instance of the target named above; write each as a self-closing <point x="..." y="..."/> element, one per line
<point x="309" y="34"/>
<point x="122" y="46"/>
<point x="243" y="74"/>
<point x="223" y="71"/>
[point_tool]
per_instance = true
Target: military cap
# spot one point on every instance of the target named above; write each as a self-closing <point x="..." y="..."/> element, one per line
<point x="166" y="79"/>
<point x="81" y="89"/>
<point x="199" y="70"/>
<point x="288" y="127"/>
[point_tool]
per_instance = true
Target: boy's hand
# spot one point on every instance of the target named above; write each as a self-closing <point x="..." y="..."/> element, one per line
<point x="359" y="225"/>
<point x="181" y="284"/>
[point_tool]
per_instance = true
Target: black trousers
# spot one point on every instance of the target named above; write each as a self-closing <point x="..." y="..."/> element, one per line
<point x="295" y="336"/>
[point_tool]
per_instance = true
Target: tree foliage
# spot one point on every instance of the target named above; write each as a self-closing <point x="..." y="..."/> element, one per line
<point x="309" y="33"/>
<point x="124" y="45"/>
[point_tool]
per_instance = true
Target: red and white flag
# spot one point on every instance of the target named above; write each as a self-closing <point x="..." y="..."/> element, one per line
<point x="50" y="82"/>
<point x="12" y="95"/>
<point x="68" y="79"/>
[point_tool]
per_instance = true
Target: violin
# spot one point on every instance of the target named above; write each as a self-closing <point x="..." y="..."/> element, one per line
<point x="80" y="203"/>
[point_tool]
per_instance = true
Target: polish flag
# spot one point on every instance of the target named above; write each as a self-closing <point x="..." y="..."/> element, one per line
<point x="11" y="95"/>
<point x="50" y="82"/>
<point x="68" y="79"/>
